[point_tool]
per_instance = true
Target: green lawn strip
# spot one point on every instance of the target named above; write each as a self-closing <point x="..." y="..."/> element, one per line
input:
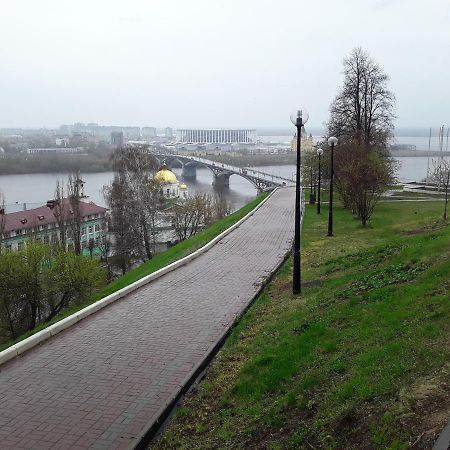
<point x="420" y="194"/>
<point x="326" y="369"/>
<point x="159" y="261"/>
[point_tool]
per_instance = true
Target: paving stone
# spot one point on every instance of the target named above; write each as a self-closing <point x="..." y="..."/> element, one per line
<point x="100" y="382"/>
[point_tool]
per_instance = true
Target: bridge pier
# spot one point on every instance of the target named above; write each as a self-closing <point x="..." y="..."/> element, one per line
<point x="221" y="179"/>
<point x="189" y="171"/>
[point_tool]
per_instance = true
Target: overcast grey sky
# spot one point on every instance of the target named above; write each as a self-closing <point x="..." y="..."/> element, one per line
<point x="210" y="63"/>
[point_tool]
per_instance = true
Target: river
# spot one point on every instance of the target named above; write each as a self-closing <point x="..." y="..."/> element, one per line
<point x="36" y="189"/>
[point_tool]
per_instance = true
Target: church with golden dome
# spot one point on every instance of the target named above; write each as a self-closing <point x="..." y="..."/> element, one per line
<point x="170" y="186"/>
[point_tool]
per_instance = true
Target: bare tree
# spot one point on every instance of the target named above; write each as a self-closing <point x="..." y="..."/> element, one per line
<point x="135" y="166"/>
<point x="361" y="116"/>
<point x="152" y="202"/>
<point x="126" y="239"/>
<point x="59" y="209"/>
<point x="221" y="207"/>
<point x="192" y="214"/>
<point x="365" y="176"/>
<point x="363" y="109"/>
<point x="74" y="216"/>
<point x="441" y="176"/>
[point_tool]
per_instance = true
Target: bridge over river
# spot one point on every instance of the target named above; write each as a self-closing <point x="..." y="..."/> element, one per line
<point x="104" y="382"/>
<point x="222" y="172"/>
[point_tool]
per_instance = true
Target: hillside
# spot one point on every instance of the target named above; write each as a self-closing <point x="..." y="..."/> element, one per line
<point x="359" y="360"/>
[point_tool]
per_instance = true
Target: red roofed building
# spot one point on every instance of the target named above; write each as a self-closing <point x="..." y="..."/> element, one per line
<point x="41" y="224"/>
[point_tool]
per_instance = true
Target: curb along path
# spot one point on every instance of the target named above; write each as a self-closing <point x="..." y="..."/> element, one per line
<point x="101" y="382"/>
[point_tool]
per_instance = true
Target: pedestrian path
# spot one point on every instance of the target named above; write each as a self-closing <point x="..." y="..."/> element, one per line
<point x="100" y="383"/>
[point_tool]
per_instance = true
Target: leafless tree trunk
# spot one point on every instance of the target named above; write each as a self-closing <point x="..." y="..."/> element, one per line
<point x="2" y="218"/>
<point x="59" y="210"/>
<point x="74" y="216"/>
<point x="441" y="176"/>
<point x="220" y="206"/>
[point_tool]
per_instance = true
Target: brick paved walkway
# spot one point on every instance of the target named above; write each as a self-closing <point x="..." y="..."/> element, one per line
<point x="97" y="384"/>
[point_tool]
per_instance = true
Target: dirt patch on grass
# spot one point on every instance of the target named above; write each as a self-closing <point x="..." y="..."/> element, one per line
<point x="312" y="283"/>
<point x="426" y="228"/>
<point x="426" y="408"/>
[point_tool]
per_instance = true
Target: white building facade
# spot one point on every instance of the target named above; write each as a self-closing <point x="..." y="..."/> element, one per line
<point x="216" y="136"/>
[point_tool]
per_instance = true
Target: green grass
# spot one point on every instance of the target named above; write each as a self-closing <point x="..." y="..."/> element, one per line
<point x="338" y="367"/>
<point x="159" y="261"/>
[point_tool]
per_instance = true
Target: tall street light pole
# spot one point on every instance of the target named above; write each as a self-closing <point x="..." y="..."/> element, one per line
<point x="332" y="141"/>
<point x="298" y="118"/>
<point x="319" y="154"/>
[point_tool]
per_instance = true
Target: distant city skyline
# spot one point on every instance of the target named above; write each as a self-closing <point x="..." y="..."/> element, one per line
<point x="232" y="64"/>
<point x="149" y="131"/>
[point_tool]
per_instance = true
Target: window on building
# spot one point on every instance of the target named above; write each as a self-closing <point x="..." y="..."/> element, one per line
<point x="46" y="239"/>
<point x="91" y="229"/>
<point x="97" y="227"/>
<point x="83" y="230"/>
<point x="20" y="245"/>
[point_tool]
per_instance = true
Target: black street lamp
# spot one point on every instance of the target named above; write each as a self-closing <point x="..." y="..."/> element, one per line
<point x="332" y="141"/>
<point x="298" y="118"/>
<point x="319" y="154"/>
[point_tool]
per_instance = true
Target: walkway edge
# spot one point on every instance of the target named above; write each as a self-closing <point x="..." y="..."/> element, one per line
<point x="153" y="427"/>
<point x="52" y="330"/>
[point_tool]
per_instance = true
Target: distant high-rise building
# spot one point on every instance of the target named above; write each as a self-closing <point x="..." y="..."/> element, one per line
<point x="216" y="136"/>
<point x="117" y="138"/>
<point x="149" y="132"/>
<point x="169" y="133"/>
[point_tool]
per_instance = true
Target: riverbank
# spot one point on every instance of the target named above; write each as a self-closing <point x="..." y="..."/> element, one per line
<point x="57" y="163"/>
<point x="359" y="360"/>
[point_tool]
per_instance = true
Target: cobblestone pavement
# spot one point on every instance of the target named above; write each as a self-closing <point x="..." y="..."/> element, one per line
<point x="99" y="383"/>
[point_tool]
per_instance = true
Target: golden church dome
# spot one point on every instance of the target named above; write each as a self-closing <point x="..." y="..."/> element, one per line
<point x="183" y="186"/>
<point x="165" y="176"/>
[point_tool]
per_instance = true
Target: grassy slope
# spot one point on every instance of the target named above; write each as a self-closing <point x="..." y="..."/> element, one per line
<point x="360" y="360"/>
<point x="161" y="260"/>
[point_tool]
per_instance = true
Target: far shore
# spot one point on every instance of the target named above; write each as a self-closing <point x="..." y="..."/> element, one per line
<point x="94" y="163"/>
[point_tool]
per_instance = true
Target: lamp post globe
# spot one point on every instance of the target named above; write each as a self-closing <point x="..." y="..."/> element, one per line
<point x="332" y="141"/>
<point x="298" y="117"/>
<point x="319" y="177"/>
